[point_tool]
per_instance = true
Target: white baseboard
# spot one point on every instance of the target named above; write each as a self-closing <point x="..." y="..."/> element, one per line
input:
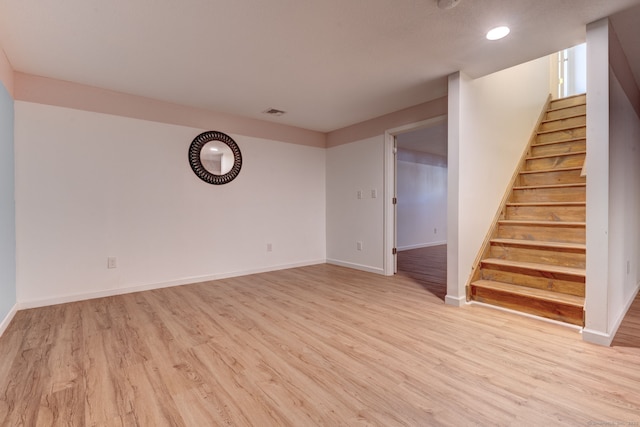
<point x="455" y="301"/>
<point x="421" y="245"/>
<point x="7" y="319"/>
<point x="146" y="287"/>
<point x="355" y="266"/>
<point x="597" y="337"/>
<point x="605" y="339"/>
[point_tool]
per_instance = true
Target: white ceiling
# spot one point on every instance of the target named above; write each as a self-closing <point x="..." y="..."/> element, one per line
<point x="328" y="63"/>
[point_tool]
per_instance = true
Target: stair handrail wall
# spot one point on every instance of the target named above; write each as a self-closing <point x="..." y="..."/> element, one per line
<point x="484" y="248"/>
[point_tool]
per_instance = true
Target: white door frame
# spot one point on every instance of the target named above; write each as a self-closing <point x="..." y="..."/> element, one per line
<point x="389" y="259"/>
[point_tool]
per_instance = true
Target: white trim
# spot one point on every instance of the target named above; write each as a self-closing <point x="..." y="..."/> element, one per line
<point x="146" y="287"/>
<point x="388" y="215"/>
<point x="355" y="266"/>
<point x="455" y="287"/>
<point x="421" y="245"/>
<point x="8" y="318"/>
<point x="389" y="177"/>
<point x="455" y="301"/>
<point x="597" y="337"/>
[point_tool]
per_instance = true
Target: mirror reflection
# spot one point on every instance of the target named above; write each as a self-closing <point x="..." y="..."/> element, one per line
<point x="216" y="157"/>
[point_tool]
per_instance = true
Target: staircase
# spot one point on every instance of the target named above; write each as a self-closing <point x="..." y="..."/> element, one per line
<point x="534" y="258"/>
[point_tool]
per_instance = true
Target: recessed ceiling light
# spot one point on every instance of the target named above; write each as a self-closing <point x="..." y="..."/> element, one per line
<point x="498" y="33"/>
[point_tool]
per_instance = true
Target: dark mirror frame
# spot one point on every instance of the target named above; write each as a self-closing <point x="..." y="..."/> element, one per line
<point x="196" y="164"/>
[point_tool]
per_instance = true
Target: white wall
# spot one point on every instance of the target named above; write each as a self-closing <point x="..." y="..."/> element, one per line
<point x="422" y="199"/>
<point x="496" y="116"/>
<point x="91" y="185"/>
<point x="7" y="210"/>
<point x="353" y="167"/>
<point x="624" y="203"/>
<point x="597" y="168"/>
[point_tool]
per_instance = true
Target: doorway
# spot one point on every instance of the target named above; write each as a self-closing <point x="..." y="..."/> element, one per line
<point x="417" y="180"/>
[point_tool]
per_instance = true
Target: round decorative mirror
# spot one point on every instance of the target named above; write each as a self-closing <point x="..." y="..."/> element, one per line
<point x="215" y="157"/>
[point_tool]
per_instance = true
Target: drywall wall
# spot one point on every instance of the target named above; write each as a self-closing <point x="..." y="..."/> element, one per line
<point x="613" y="203"/>
<point x="422" y="199"/>
<point x="624" y="203"/>
<point x="7" y="210"/>
<point x="91" y="186"/>
<point x="597" y="169"/>
<point x="352" y="168"/>
<point x="495" y="117"/>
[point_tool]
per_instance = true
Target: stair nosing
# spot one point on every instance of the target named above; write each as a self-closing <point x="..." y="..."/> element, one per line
<point x="563" y="118"/>
<point x="540" y="243"/>
<point x="545" y="132"/>
<point x="543" y="223"/>
<point x="567" y="169"/>
<point x="541" y="294"/>
<point x="548" y="156"/>
<point x="570" y="271"/>
<point x="572" y="184"/>
<point x="553" y="110"/>
<point x="546" y="204"/>
<point x="543" y="144"/>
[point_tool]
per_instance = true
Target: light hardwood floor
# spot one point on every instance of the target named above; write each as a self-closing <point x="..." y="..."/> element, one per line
<point x="319" y="345"/>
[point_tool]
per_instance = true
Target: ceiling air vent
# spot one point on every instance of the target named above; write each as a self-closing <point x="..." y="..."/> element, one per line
<point x="273" y="112"/>
<point x="447" y="4"/>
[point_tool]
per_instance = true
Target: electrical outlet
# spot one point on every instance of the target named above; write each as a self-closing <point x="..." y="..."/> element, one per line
<point x="359" y="246"/>
<point x="374" y="193"/>
<point x="269" y="247"/>
<point x="111" y="262"/>
<point x="359" y="194"/>
<point x="435" y="231"/>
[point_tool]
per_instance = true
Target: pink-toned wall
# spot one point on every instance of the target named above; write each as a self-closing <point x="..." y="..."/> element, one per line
<point x="48" y="91"/>
<point x="378" y="125"/>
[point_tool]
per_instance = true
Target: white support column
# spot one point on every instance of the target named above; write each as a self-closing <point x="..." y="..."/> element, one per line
<point x="597" y="284"/>
<point x="455" y="287"/>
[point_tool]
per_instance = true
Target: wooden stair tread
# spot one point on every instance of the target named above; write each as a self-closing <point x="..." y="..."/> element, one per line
<point x="549" y="156"/>
<point x="572" y="184"/>
<point x="564" y="118"/>
<point x="543" y="223"/>
<point x="544" y="132"/>
<point x="541" y="244"/>
<point x="566" y="106"/>
<point x="569" y="169"/>
<point x="559" y="100"/>
<point x="532" y="204"/>
<point x="562" y="141"/>
<point x="559" y="269"/>
<point x="531" y="292"/>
